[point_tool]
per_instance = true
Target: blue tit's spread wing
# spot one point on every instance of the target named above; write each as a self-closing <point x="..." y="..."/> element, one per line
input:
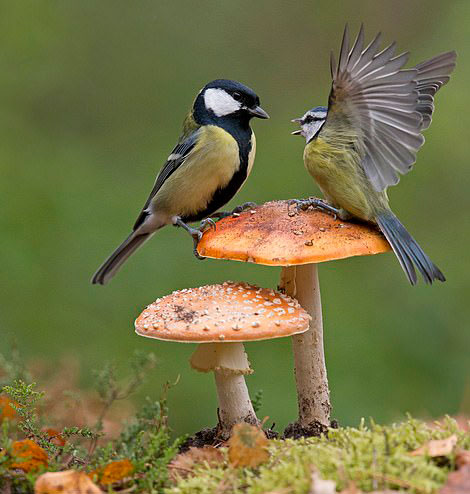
<point x="385" y="107"/>
<point x="177" y="157"/>
<point x="432" y="75"/>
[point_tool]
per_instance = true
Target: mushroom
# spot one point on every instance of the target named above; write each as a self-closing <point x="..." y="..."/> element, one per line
<point x="220" y="318"/>
<point x="275" y="234"/>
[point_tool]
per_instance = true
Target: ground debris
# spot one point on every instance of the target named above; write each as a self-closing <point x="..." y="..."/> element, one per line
<point x="457" y="482"/>
<point x="247" y="446"/>
<point x="183" y="465"/>
<point x="321" y="486"/>
<point x="67" y="482"/>
<point x="437" y="447"/>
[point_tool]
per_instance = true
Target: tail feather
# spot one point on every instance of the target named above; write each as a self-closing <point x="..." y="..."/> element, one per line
<point x="112" y="264"/>
<point x="407" y="250"/>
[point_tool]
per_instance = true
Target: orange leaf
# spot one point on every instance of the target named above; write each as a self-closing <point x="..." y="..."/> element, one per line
<point x="183" y="464"/>
<point x="247" y="447"/>
<point x="31" y="455"/>
<point x="54" y="436"/>
<point x="68" y="482"/>
<point x="6" y="410"/>
<point x="113" y="472"/>
<point x="437" y="447"/>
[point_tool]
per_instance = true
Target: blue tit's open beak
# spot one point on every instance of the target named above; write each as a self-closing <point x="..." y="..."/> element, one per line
<point x="258" y="112"/>
<point x="297" y="132"/>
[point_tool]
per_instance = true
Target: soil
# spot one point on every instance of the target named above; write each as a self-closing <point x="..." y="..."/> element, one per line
<point x="315" y="429"/>
<point x="211" y="437"/>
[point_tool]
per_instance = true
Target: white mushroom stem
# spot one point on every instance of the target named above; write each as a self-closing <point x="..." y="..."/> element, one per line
<point x="229" y="363"/>
<point x="313" y="393"/>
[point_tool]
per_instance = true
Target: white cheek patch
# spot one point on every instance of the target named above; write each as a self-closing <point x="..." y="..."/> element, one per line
<point x="220" y="102"/>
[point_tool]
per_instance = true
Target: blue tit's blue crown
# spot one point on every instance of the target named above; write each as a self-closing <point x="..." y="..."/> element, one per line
<point x="319" y="109"/>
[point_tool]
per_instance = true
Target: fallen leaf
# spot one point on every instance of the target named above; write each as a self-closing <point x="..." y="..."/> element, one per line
<point x="112" y="472"/>
<point x="457" y="482"/>
<point x="67" y="482"/>
<point x="321" y="486"/>
<point x="54" y="436"/>
<point x="247" y="446"/>
<point x="6" y="410"/>
<point x="182" y="465"/>
<point x="462" y="458"/>
<point x="437" y="447"/>
<point x="31" y="456"/>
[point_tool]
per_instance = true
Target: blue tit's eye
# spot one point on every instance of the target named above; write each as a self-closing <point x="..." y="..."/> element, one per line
<point x="237" y="96"/>
<point x="308" y="119"/>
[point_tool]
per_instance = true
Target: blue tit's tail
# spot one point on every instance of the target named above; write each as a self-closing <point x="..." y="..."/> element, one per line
<point x="112" y="264"/>
<point x="407" y="250"/>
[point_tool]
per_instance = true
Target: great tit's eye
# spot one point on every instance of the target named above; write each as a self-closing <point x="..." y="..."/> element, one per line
<point x="237" y="96"/>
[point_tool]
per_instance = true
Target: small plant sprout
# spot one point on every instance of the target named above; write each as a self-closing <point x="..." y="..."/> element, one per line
<point x="220" y="318"/>
<point x="276" y="234"/>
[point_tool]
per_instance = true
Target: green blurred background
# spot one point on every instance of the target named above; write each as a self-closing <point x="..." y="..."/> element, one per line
<point x="92" y="95"/>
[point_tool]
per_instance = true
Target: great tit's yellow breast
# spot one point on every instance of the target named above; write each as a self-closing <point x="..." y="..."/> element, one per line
<point x="338" y="173"/>
<point x="210" y="166"/>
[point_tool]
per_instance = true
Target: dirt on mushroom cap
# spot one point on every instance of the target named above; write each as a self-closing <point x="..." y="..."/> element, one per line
<point x="229" y="312"/>
<point x="276" y="234"/>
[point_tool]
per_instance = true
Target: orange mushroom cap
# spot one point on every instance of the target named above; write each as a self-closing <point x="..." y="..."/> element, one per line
<point x="276" y="234"/>
<point x="229" y="312"/>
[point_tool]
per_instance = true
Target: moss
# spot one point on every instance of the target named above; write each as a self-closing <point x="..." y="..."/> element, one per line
<point x="373" y="457"/>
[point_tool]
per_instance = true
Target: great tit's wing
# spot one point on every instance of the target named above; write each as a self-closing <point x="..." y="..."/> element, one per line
<point x="177" y="157"/>
<point x="382" y="107"/>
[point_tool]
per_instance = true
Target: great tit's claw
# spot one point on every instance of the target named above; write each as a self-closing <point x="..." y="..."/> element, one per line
<point x="197" y="255"/>
<point x="244" y="207"/>
<point x="207" y="223"/>
<point x="235" y="211"/>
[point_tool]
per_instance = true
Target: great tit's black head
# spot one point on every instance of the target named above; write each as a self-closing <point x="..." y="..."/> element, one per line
<point x="224" y="98"/>
<point x="311" y="123"/>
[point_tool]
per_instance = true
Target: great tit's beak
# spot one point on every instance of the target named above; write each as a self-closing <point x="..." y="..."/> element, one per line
<point x="258" y="112"/>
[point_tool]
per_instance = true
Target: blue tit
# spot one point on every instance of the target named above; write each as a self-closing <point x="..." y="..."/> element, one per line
<point x="369" y="134"/>
<point x="209" y="164"/>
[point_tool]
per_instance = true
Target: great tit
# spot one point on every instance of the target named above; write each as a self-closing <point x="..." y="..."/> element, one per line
<point x="211" y="161"/>
<point x="369" y="134"/>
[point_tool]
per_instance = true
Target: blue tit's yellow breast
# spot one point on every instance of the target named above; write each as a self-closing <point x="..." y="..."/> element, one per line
<point x="338" y="172"/>
<point x="210" y="166"/>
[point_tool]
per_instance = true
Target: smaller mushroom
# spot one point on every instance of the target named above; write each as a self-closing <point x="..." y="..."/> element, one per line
<point x="220" y="318"/>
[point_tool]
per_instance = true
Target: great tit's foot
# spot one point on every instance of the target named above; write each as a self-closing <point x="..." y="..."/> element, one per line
<point x="243" y="207"/>
<point x="304" y="204"/>
<point x="196" y="234"/>
<point x="207" y="224"/>
<point x="235" y="211"/>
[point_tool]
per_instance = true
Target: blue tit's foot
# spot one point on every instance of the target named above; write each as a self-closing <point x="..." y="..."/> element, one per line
<point x="196" y="233"/>
<point x="235" y="211"/>
<point x="304" y="204"/>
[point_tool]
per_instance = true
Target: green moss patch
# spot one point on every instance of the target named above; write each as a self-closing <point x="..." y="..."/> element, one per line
<point x="370" y="457"/>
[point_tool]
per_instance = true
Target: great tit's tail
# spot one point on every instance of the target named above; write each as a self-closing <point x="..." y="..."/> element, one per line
<point x="407" y="250"/>
<point x="112" y="264"/>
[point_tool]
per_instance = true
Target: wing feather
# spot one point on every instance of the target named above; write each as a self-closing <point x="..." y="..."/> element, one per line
<point x="386" y="106"/>
<point x="177" y="157"/>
